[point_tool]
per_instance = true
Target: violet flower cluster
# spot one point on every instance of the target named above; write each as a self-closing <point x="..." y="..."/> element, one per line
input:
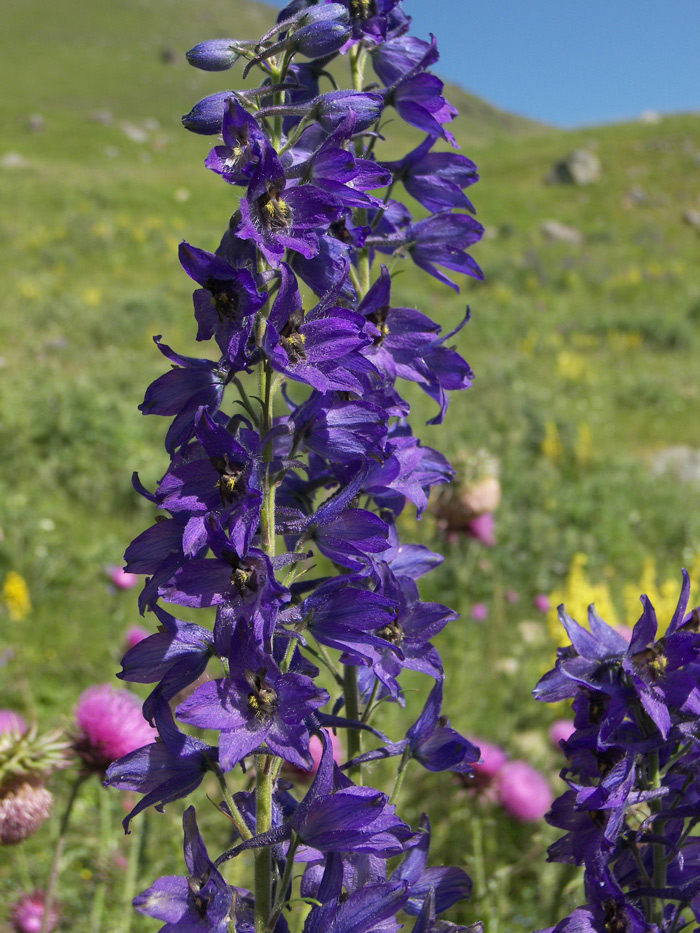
<point x="632" y="806"/>
<point x="292" y="458"/>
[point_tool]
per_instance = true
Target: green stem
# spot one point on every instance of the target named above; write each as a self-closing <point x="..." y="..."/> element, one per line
<point x="247" y="404"/>
<point x="281" y="895"/>
<point x="98" y="901"/>
<point x="352" y="711"/>
<point x="400" y="774"/>
<point x="55" y="869"/>
<point x="369" y="708"/>
<point x="236" y="815"/>
<point x="132" y="871"/>
<point x="263" y="857"/>
<point x="659" y="850"/>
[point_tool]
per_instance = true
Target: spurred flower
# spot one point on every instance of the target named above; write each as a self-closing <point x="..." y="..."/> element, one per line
<point x="200" y="901"/>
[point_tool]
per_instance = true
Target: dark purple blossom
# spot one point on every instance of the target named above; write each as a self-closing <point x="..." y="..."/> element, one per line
<point x="435" y="179"/>
<point x="275" y="217"/>
<point x="189" y="385"/>
<point x="255" y="704"/>
<point x="165" y="770"/>
<point x="243" y="145"/>
<point x="202" y="901"/>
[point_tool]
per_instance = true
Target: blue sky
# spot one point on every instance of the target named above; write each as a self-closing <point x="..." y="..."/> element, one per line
<point x="569" y="62"/>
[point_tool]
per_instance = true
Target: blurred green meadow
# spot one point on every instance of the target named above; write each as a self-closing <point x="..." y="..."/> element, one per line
<point x="585" y="357"/>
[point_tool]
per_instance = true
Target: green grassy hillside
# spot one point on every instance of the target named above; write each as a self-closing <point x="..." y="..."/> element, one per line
<point x="585" y="358"/>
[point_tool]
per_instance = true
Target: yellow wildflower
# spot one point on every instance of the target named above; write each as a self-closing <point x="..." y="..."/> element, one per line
<point x="15" y="596"/>
<point x="551" y="444"/>
<point x="577" y="594"/>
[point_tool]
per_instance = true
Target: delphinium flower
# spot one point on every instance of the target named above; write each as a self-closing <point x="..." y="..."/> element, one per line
<point x="292" y="457"/>
<point x="632" y="799"/>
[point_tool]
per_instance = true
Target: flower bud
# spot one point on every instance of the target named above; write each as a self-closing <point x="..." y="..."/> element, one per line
<point x="319" y="39"/>
<point x="25" y="760"/>
<point x="207" y="115"/>
<point x="331" y="109"/>
<point x="24" y="805"/>
<point x="214" y="54"/>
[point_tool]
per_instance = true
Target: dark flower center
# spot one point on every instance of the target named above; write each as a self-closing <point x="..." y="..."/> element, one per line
<point x="379" y="318"/>
<point x="229" y="474"/>
<point x="262" y="700"/>
<point x="339" y="231"/>
<point x="226" y="300"/>
<point x="292" y="340"/>
<point x="392" y="632"/>
<point x="363" y="9"/>
<point x="244" y="577"/>
<point x="651" y="661"/>
<point x="200" y="902"/>
<point x="616" y="918"/>
<point x="275" y="214"/>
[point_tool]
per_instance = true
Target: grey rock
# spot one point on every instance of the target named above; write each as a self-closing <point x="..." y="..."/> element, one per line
<point x="36" y="123"/>
<point x="105" y="117"/>
<point x="692" y="217"/>
<point x="13" y="160"/>
<point x="681" y="462"/>
<point x="558" y="232"/>
<point x="581" y="167"/>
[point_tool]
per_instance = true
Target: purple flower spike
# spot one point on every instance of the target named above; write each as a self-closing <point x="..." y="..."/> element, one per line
<point x="202" y="901"/>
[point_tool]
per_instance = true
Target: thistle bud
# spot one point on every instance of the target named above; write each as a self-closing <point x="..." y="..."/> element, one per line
<point x="25" y="761"/>
<point x="24" y="805"/>
<point x="475" y="491"/>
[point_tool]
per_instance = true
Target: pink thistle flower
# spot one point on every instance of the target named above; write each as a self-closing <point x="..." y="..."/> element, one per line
<point x="27" y="914"/>
<point x="512" y="596"/>
<point x="523" y="791"/>
<point x="111" y="725"/>
<point x="316" y="751"/>
<point x="560" y="731"/>
<point x="134" y="634"/>
<point x="24" y="805"/>
<point x="493" y="758"/>
<point x="121" y="579"/>
<point x="482" y="528"/>
<point x="542" y="602"/>
<point x="480" y="612"/>
<point x="10" y="721"/>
